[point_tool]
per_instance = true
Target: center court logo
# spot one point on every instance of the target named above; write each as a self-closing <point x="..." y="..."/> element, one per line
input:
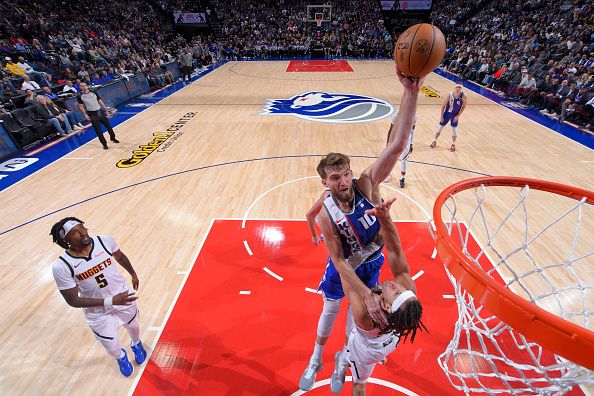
<point x="330" y="107"/>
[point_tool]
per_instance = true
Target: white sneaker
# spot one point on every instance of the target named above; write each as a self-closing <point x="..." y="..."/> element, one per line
<point x="80" y="125"/>
<point x="338" y="375"/>
<point x="389" y="178"/>
<point x="308" y="378"/>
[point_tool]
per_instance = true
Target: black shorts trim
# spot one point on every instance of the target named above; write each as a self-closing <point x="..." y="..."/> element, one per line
<point x="133" y="317"/>
<point x="104" y="337"/>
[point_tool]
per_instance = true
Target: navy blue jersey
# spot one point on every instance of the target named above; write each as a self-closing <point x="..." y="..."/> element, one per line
<point x="357" y="230"/>
<point x="454" y="104"/>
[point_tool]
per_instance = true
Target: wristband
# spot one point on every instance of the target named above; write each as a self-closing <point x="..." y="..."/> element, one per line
<point x="108" y="302"/>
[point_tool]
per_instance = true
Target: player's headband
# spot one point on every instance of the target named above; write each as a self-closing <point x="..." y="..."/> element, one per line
<point x="69" y="225"/>
<point x="458" y="85"/>
<point x="402" y="297"/>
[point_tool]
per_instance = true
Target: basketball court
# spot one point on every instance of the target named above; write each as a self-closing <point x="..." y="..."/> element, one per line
<point x="207" y="194"/>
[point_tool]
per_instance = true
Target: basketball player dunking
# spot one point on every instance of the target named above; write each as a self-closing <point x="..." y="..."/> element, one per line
<point x="369" y="344"/>
<point x="451" y="109"/>
<point x="88" y="278"/>
<point x="351" y="236"/>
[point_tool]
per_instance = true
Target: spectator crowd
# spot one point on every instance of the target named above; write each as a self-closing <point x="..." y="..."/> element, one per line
<point x="538" y="52"/>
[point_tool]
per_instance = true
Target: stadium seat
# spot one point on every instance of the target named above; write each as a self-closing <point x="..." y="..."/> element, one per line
<point x="22" y="136"/>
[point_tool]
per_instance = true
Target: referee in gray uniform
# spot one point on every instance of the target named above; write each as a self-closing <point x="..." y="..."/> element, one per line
<point x="90" y="104"/>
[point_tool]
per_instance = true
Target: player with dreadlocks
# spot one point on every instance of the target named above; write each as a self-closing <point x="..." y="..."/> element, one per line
<point x="368" y="344"/>
<point x="87" y="279"/>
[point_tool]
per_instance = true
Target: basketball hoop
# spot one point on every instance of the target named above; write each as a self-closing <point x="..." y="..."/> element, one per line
<point x="524" y="319"/>
<point x="319" y="18"/>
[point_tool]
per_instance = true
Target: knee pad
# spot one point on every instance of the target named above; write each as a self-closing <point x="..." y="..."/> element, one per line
<point x="328" y="316"/>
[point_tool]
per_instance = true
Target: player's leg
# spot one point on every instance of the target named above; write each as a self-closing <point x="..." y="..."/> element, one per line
<point x="403" y="165"/>
<point x="342" y="360"/>
<point x="105" y="329"/>
<point x="331" y="288"/>
<point x="369" y="274"/>
<point x="454" y="125"/>
<point x="439" y="129"/>
<point x="128" y="317"/>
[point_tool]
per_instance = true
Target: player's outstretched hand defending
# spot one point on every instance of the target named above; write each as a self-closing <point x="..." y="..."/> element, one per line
<point x="382" y="211"/>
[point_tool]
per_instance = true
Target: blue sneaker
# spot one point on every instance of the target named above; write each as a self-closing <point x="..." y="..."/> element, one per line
<point x="126" y="367"/>
<point x="139" y="352"/>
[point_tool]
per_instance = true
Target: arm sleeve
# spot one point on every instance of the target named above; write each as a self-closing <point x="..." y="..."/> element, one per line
<point x="97" y="95"/>
<point x="79" y="99"/>
<point x="62" y="276"/>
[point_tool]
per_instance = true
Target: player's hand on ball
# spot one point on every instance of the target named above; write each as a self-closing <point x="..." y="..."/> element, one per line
<point x="410" y="83"/>
<point x="124" y="298"/>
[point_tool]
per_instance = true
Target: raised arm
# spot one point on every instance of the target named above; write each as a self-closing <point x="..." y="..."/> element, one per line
<point x="400" y="132"/>
<point x="347" y="274"/>
<point x="311" y="217"/>
<point x="398" y="263"/>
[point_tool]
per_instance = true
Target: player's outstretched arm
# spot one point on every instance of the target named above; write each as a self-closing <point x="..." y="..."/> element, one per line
<point x="400" y="132"/>
<point x="398" y="263"/>
<point x="311" y="217"/>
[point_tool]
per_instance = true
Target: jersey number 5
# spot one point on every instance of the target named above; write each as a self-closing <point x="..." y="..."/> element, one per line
<point x="101" y="280"/>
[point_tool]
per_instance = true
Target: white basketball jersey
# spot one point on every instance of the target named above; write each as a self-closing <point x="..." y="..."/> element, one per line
<point x="369" y="347"/>
<point x="96" y="276"/>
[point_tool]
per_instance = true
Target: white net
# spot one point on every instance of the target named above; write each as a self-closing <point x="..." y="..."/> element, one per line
<point x="542" y="250"/>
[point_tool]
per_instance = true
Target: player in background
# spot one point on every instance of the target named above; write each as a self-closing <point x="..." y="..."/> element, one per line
<point x="451" y="109"/>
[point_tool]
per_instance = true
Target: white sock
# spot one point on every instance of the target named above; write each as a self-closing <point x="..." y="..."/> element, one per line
<point x="134" y="343"/>
<point x="121" y="355"/>
<point x="317" y="353"/>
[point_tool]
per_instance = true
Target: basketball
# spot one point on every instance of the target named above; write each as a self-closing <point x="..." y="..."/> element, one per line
<point x="419" y="50"/>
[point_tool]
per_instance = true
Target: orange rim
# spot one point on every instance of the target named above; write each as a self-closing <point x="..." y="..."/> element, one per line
<point x="555" y="334"/>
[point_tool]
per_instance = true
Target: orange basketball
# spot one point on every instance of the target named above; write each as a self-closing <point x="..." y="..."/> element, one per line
<point x="419" y="50"/>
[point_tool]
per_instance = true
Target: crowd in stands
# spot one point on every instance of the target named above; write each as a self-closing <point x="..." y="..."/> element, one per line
<point x="271" y="28"/>
<point x="540" y="53"/>
<point x="48" y="50"/>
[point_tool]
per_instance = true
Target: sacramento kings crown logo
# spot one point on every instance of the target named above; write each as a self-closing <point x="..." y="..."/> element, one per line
<point x="330" y="107"/>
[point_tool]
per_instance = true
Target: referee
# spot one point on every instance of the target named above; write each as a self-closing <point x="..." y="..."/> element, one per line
<point x="90" y="104"/>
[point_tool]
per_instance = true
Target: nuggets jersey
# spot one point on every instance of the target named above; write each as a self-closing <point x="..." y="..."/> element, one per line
<point x="366" y="348"/>
<point x="359" y="232"/>
<point x="96" y="276"/>
<point x="454" y="104"/>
